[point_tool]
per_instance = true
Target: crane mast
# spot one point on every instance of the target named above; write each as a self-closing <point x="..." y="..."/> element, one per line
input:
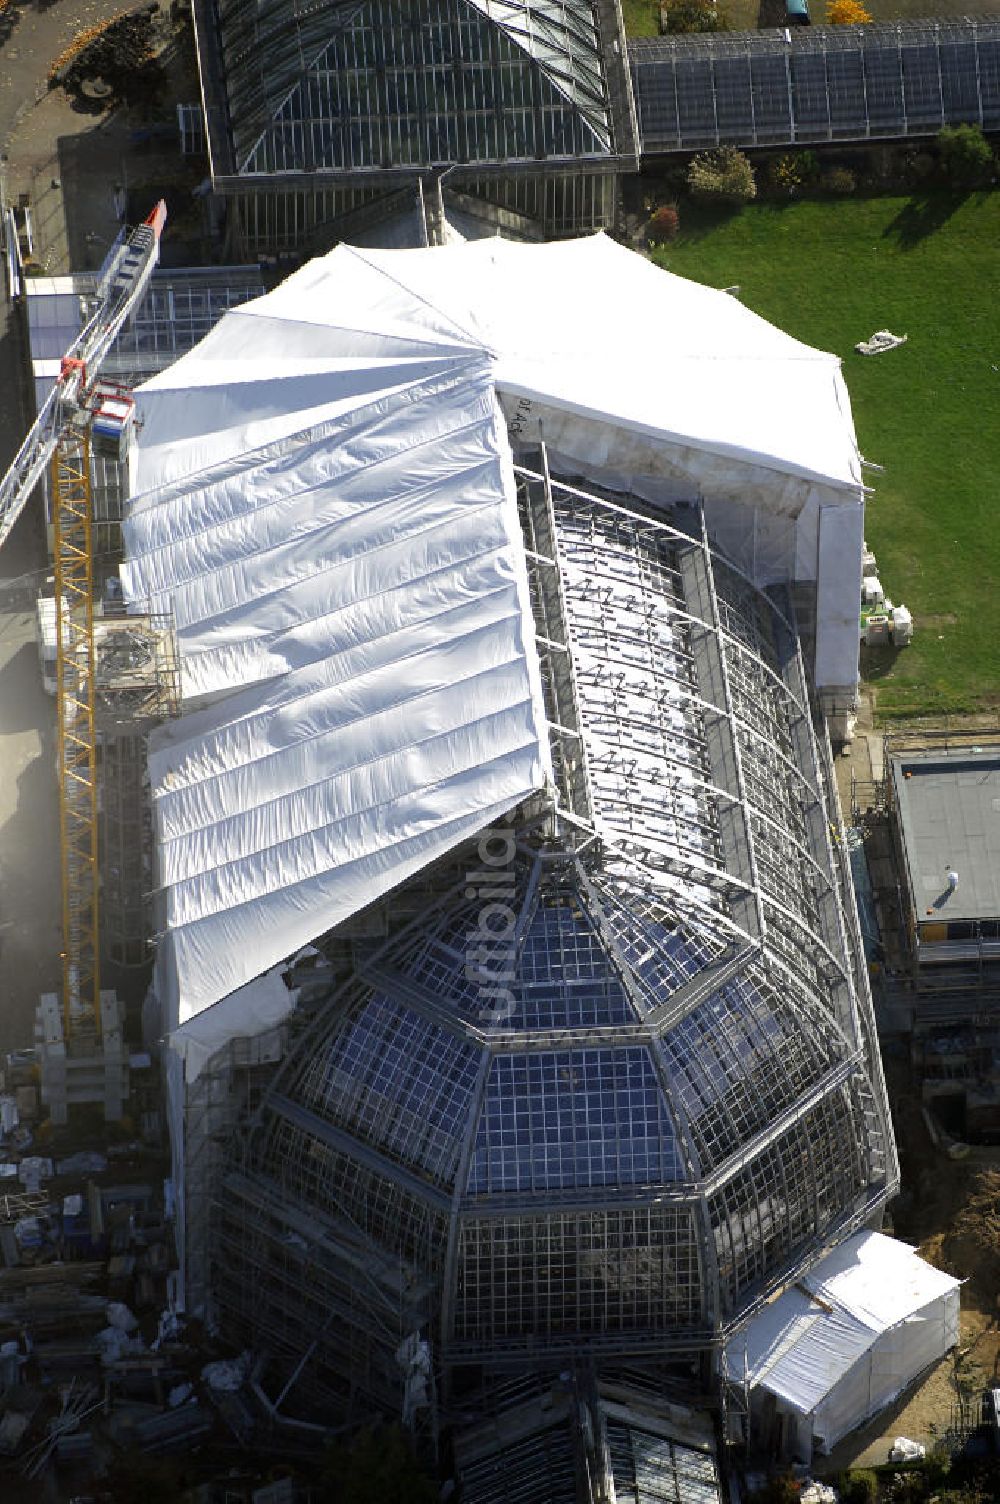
<point x="60" y="438"/>
<point x="76" y="735"/>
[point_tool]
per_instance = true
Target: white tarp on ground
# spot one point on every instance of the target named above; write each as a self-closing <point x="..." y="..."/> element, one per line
<point x="851" y="1335"/>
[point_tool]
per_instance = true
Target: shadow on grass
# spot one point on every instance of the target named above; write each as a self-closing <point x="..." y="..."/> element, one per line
<point x="701" y="217"/>
<point x="878" y="663"/>
<point x="926" y="212"/>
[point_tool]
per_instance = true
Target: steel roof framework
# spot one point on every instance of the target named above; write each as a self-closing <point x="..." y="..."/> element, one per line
<point x="683" y="1104"/>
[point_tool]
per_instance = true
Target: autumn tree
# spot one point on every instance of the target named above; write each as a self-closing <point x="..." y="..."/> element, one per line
<point x="664" y="222"/>
<point x="847" y="13"/>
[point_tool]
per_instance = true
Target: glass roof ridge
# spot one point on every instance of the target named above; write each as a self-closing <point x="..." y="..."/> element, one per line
<point x="384" y="90"/>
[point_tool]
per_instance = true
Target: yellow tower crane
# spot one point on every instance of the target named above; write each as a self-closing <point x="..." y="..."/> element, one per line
<point x="75" y="1064"/>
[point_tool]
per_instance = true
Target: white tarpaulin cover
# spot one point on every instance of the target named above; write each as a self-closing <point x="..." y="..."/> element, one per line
<point x="582" y="326"/>
<point x="850" y="1336"/>
<point x="324" y="499"/>
<point x="261" y="1005"/>
<point x="630" y="372"/>
<point x="371" y="598"/>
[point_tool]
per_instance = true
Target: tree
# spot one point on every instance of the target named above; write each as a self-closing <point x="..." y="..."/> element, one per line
<point x="964" y="153"/>
<point x="724" y="173"/>
<point x="664" y="222"/>
<point x="678" y="17"/>
<point x="847" y="13"/>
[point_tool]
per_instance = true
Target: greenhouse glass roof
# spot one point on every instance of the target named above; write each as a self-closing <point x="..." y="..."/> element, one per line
<point x="618" y="1085"/>
<point x="351" y="87"/>
<point x="837" y="83"/>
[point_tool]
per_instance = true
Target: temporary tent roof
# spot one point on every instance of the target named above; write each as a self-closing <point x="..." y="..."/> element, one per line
<point x="850" y="1336"/>
<point x="324" y="498"/>
<point x="583" y="328"/>
<point x="366" y="586"/>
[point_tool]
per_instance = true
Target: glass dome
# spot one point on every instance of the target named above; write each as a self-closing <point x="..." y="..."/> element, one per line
<point x="623" y="1139"/>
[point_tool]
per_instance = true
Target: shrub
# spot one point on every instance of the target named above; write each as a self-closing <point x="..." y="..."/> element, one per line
<point x="839" y="180"/>
<point x="780" y="1489"/>
<point x="860" y="1487"/>
<point x="678" y="17"/>
<point x="724" y="173"/>
<point x="789" y="173"/>
<point x="964" y="153"/>
<point x="664" y="222"/>
<point x="847" y="13"/>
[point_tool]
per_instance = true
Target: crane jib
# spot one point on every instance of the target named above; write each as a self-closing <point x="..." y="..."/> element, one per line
<point x="121" y="289"/>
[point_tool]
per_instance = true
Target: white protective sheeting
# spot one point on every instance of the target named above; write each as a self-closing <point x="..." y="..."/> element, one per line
<point x="261" y="1005"/>
<point x="324" y="498"/>
<point x="624" y="367"/>
<point x="583" y="327"/>
<point x="366" y="584"/>
<point x="851" y="1335"/>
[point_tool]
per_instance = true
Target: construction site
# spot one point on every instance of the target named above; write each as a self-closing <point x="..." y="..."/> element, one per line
<point x="454" y="996"/>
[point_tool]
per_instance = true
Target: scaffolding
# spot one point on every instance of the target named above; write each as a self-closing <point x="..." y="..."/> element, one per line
<point x="617" y="1122"/>
<point x="138" y="688"/>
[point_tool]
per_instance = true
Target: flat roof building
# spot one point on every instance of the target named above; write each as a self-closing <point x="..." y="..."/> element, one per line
<point x="945" y="986"/>
<point x="948" y="808"/>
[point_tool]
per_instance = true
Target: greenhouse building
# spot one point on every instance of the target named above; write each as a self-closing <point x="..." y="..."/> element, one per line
<point x="336" y="120"/>
<point x="516" y="1014"/>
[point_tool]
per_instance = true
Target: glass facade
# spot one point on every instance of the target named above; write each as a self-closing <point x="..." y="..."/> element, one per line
<point x="836" y="83"/>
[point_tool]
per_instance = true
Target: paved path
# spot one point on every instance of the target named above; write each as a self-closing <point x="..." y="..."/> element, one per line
<point x="39" y="34"/>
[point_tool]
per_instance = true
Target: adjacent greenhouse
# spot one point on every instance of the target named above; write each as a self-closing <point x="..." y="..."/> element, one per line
<point x="325" y="118"/>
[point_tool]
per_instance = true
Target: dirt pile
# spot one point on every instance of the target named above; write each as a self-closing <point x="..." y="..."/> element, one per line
<point x="113" y="63"/>
<point x="971" y="1245"/>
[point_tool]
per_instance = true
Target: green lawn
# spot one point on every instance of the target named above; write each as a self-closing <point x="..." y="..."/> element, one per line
<point x="831" y="272"/>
